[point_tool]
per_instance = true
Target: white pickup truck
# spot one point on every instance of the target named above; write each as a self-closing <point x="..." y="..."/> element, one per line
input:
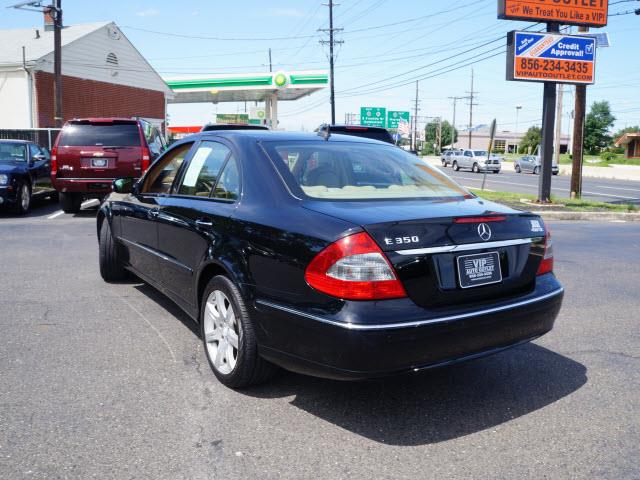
<point x="476" y="161"/>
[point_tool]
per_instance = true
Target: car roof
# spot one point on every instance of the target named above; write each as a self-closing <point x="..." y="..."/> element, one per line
<point x="16" y="140"/>
<point x="103" y="120"/>
<point x="269" y="135"/>
<point x="232" y="126"/>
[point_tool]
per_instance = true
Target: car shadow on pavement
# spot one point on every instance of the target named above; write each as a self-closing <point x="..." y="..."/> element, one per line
<point x="440" y="404"/>
<point x="427" y="407"/>
<point x="40" y="207"/>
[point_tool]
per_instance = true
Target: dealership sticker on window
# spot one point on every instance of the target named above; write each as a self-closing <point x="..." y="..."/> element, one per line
<point x="195" y="167"/>
<point x="536" y="227"/>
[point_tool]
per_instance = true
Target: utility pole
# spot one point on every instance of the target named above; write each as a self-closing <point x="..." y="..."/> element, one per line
<point x="453" y="127"/>
<point x="471" y="105"/>
<point x="439" y="135"/>
<point x="332" y="42"/>
<point x="414" y="142"/>
<point x="578" y="136"/>
<point x="270" y="65"/>
<point x="558" y="135"/>
<point x="55" y="12"/>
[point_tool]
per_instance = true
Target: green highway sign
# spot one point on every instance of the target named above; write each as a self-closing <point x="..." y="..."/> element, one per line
<point x="373" y="116"/>
<point x="393" y="118"/>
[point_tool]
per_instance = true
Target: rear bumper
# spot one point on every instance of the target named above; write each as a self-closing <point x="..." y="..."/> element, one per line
<point x="400" y="341"/>
<point x="83" y="185"/>
<point x="490" y="168"/>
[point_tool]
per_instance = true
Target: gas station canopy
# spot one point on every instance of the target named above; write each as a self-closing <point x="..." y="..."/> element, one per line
<point x="269" y="87"/>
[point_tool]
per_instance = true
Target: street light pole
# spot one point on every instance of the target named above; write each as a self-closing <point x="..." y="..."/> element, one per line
<point x="518" y="108"/>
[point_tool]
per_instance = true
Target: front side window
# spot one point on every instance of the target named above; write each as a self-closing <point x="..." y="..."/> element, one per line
<point x="359" y="171"/>
<point x="162" y="174"/>
<point x="203" y="170"/>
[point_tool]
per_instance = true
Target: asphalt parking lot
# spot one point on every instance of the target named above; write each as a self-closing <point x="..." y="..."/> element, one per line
<point x="110" y="381"/>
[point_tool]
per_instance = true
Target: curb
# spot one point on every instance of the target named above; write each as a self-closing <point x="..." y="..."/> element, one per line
<point x="590" y="216"/>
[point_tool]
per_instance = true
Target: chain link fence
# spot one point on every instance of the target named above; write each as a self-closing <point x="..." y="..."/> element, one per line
<point x="44" y="137"/>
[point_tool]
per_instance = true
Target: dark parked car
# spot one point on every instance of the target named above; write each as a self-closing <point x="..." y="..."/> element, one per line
<point x="373" y="133"/>
<point x="90" y="153"/>
<point x="25" y="170"/>
<point x="342" y="257"/>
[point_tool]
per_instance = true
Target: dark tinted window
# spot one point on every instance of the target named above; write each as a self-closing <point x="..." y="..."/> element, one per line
<point x="13" y="152"/>
<point x="228" y="186"/>
<point x="106" y="134"/>
<point x="381" y="135"/>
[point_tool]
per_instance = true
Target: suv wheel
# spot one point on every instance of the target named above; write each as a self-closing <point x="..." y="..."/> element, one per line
<point x="455" y="166"/>
<point x="475" y="168"/>
<point x="111" y="265"/>
<point x="517" y="168"/>
<point x="536" y="170"/>
<point x="70" y="202"/>
<point x="229" y="339"/>
<point x="23" y="199"/>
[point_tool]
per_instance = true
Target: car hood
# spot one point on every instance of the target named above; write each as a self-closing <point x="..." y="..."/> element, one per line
<point x="11" y="167"/>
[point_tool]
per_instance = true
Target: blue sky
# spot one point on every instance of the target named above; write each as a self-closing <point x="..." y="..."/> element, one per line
<point x="371" y="52"/>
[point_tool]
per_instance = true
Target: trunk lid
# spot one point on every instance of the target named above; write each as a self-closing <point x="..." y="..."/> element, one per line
<point x="425" y="239"/>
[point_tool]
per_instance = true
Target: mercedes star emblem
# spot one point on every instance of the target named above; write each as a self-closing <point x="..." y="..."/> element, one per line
<point x="484" y="231"/>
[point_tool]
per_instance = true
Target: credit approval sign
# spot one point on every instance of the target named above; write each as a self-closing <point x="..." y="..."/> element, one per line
<point x="588" y="13"/>
<point x="551" y="57"/>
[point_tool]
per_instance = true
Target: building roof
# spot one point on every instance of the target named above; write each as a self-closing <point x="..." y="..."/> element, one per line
<point x="38" y="42"/>
<point x="627" y="138"/>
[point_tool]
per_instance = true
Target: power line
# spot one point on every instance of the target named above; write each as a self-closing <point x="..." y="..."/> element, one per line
<point x="221" y="39"/>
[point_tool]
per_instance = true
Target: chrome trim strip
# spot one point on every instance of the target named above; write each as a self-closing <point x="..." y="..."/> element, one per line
<point x="419" y="323"/>
<point x="465" y="246"/>
<point x="157" y="254"/>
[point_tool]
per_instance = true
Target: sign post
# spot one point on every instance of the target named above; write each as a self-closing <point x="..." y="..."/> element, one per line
<point x="492" y="135"/>
<point x="373" y="116"/>
<point x="552" y="58"/>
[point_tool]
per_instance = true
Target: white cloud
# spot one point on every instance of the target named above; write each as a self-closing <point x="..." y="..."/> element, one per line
<point x="149" y="12"/>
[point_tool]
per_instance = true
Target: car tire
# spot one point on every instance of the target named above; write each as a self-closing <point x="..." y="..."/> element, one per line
<point x="475" y="168"/>
<point x="224" y="320"/>
<point x="444" y="164"/>
<point x="70" y="202"/>
<point x="109" y="255"/>
<point x="556" y="173"/>
<point x="455" y="166"/>
<point x="536" y="170"/>
<point x="517" y="169"/>
<point x="23" y="199"/>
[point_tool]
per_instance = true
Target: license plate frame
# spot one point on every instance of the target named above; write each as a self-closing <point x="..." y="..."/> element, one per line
<point x="99" y="162"/>
<point x="475" y="274"/>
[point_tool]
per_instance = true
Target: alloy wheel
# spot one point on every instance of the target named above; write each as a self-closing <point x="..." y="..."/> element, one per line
<point x="25" y="198"/>
<point x="221" y="332"/>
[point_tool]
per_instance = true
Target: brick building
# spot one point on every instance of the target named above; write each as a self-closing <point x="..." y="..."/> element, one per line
<point x="104" y="75"/>
<point x="631" y="144"/>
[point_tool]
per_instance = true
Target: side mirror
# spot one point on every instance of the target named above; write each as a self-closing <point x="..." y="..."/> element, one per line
<point x="39" y="158"/>
<point x="124" y="185"/>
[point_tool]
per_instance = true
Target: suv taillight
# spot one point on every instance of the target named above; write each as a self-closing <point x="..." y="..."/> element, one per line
<point x="146" y="159"/>
<point x="546" y="265"/>
<point x="354" y="268"/>
<point x="54" y="160"/>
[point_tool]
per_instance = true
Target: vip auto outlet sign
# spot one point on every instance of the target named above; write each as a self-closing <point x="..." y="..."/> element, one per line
<point x="551" y="57"/>
<point x="588" y="13"/>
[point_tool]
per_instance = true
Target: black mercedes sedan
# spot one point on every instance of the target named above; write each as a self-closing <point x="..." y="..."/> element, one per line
<point x="328" y="255"/>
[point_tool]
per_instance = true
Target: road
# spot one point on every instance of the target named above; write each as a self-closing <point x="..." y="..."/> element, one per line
<point x="601" y="190"/>
<point x="110" y="381"/>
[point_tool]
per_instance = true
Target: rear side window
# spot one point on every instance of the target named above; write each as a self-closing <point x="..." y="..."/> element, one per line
<point x="102" y="135"/>
<point x="203" y="170"/>
<point x="359" y="171"/>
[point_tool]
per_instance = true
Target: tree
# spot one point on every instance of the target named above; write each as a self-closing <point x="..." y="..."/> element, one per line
<point x="431" y="136"/>
<point x="596" y="127"/>
<point x="531" y="139"/>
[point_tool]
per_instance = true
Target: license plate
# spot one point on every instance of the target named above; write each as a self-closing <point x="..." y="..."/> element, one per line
<point x="479" y="269"/>
<point x="99" y="162"/>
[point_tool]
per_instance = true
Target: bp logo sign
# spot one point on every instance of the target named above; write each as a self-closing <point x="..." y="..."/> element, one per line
<point x="280" y="79"/>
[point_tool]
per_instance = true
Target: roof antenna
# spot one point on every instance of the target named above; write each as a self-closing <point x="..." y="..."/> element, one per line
<point x="324" y="131"/>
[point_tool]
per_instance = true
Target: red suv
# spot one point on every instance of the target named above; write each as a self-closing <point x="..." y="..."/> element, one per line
<point x="90" y="153"/>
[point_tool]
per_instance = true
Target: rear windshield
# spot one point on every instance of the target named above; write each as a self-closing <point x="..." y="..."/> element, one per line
<point x="116" y="134"/>
<point x="359" y="171"/>
<point x="480" y="153"/>
<point x="372" y="134"/>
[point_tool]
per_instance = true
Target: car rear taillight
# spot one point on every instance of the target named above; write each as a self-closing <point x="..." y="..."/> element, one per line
<point x="354" y="268"/>
<point x="546" y="265"/>
<point x="146" y="159"/>
<point x="500" y="218"/>
<point x="54" y="160"/>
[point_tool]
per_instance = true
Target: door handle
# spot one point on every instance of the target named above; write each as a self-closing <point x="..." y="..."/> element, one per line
<point x="201" y="223"/>
<point x="153" y="213"/>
